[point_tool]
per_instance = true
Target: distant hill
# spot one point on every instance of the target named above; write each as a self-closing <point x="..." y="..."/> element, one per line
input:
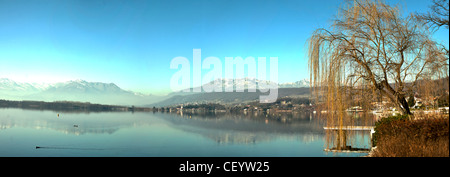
<point x="244" y="83"/>
<point x="74" y="90"/>
<point x="230" y="97"/>
<point x="110" y="93"/>
<point x="292" y="89"/>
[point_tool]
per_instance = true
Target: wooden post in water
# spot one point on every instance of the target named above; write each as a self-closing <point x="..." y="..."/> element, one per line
<point x="341" y="139"/>
<point x="341" y="135"/>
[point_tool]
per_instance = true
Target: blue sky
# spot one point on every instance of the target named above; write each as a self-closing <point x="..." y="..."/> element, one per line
<point x="131" y="43"/>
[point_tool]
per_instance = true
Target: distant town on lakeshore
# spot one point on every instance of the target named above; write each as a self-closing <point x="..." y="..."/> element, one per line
<point x="293" y="97"/>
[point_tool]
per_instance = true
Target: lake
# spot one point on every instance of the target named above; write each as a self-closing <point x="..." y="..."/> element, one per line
<point x="148" y="134"/>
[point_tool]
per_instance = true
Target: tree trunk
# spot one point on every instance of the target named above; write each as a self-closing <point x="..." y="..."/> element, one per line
<point x="398" y="99"/>
<point x="404" y="104"/>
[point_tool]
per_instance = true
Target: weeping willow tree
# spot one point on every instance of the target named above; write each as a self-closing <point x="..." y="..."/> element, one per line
<point x="370" y="46"/>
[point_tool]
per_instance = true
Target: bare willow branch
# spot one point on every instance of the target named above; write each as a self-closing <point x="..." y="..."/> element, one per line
<point x="372" y="45"/>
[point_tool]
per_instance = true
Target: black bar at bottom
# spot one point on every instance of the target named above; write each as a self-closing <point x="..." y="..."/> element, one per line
<point x="223" y="166"/>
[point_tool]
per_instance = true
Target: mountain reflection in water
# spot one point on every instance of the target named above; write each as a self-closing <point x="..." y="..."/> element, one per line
<point x="159" y="134"/>
<point x="238" y="128"/>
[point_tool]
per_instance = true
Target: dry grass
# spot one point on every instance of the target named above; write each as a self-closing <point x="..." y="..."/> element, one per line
<point x="418" y="138"/>
<point x="401" y="146"/>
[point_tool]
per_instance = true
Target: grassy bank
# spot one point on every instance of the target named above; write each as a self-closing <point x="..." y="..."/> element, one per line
<point x="398" y="136"/>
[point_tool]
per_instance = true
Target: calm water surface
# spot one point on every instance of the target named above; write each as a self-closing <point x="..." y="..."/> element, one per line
<point x="150" y="134"/>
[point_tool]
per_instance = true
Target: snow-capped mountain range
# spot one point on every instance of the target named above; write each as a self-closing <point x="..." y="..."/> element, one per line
<point x="245" y="83"/>
<point x="10" y="85"/>
<point x="297" y="84"/>
<point x="74" y="90"/>
<point x="70" y="86"/>
<point x="106" y="93"/>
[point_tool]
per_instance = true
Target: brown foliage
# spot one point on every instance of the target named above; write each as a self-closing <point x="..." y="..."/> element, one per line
<point x="371" y="45"/>
<point x="438" y="16"/>
<point x="417" y="138"/>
